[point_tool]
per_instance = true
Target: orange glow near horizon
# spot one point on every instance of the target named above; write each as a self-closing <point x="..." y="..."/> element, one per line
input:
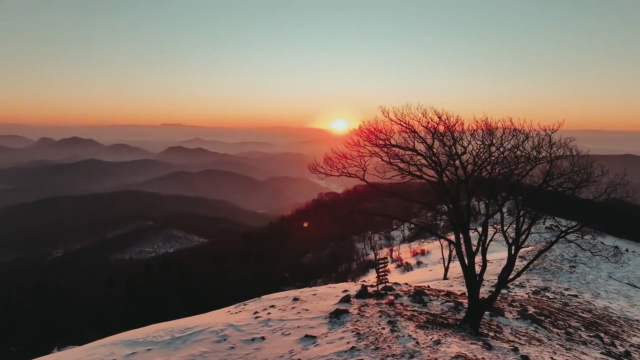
<point x="337" y="124"/>
<point x="195" y="113"/>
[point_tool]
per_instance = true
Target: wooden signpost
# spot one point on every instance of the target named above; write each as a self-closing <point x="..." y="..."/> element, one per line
<point x="382" y="272"/>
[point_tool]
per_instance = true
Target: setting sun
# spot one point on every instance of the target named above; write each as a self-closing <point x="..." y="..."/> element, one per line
<point x="339" y="125"/>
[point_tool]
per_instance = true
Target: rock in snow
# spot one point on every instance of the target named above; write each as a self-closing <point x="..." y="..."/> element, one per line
<point x="345" y="299"/>
<point x="337" y="313"/>
<point x="363" y="293"/>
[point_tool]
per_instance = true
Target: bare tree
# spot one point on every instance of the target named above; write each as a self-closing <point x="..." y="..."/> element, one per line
<point x="373" y="246"/>
<point x="362" y="252"/>
<point x="446" y="255"/>
<point x="390" y="242"/>
<point x="493" y="180"/>
<point x="405" y="231"/>
<point x="437" y="225"/>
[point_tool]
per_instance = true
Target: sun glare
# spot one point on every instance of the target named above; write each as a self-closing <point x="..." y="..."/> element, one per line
<point x="339" y="125"/>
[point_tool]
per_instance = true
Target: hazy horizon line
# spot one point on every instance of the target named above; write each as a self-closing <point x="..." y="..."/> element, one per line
<point x="234" y="127"/>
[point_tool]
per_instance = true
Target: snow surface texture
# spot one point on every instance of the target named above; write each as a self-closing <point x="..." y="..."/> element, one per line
<point x="568" y="307"/>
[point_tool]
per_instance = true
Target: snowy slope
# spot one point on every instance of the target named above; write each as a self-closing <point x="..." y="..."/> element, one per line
<point x="566" y="308"/>
<point x="156" y="244"/>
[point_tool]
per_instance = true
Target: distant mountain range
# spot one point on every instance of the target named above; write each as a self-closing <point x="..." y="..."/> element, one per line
<point x="260" y="165"/>
<point x="76" y="148"/>
<point x="241" y="190"/>
<point x="622" y="163"/>
<point x="229" y="147"/>
<point x="169" y="133"/>
<point x="183" y="155"/>
<point x="253" y="163"/>
<point x="252" y="179"/>
<point x="15" y="141"/>
<point x="39" y="180"/>
<point x="157" y="138"/>
<point x="43" y="179"/>
<point x="70" y="149"/>
<point x="192" y="155"/>
<point x="90" y="174"/>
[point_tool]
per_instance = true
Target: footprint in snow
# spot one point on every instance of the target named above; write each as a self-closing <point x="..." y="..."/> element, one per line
<point x="255" y="340"/>
<point x="308" y="340"/>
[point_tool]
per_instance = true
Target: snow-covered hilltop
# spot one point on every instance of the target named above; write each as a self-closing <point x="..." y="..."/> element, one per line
<point x="165" y="241"/>
<point x="571" y="306"/>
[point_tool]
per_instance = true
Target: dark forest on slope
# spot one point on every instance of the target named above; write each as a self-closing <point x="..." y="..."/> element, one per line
<point x="85" y="294"/>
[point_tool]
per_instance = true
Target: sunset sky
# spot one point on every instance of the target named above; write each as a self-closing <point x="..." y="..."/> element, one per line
<point x="305" y="63"/>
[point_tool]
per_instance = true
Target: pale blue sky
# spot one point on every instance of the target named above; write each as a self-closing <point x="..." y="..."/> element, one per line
<point x="302" y="62"/>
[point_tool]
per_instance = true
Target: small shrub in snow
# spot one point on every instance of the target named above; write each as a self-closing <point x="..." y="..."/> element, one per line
<point x="419" y="252"/>
<point x="419" y="263"/>
<point x="406" y="267"/>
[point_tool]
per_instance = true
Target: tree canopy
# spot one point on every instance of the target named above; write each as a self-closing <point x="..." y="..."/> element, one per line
<point x="492" y="181"/>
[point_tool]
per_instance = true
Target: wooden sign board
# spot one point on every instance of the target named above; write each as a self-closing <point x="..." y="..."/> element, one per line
<point x="382" y="276"/>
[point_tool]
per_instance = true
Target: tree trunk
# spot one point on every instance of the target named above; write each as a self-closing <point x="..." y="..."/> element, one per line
<point x="474" y="315"/>
<point x="446" y="273"/>
<point x="446" y="262"/>
<point x="476" y="307"/>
